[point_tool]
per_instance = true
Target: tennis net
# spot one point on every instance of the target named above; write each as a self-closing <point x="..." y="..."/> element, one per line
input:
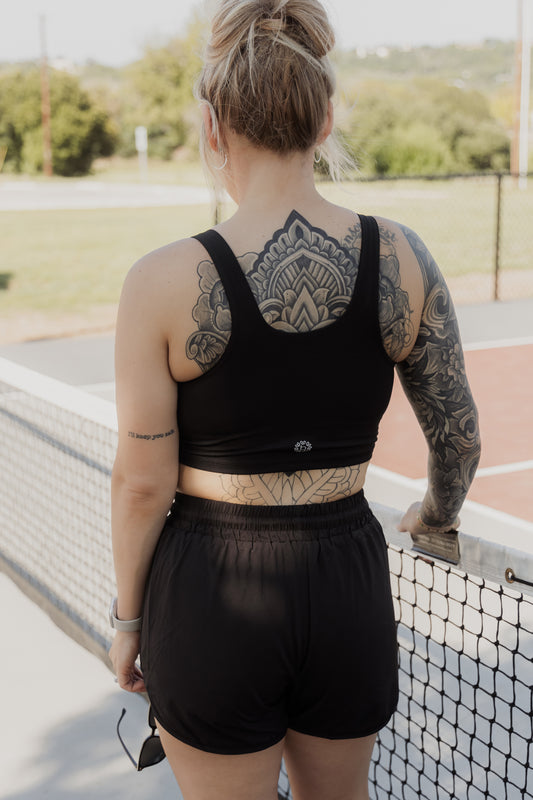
<point x="464" y="725"/>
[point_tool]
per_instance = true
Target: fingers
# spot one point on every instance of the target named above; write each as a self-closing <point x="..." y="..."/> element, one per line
<point x="408" y="522"/>
<point x="132" y="685"/>
<point x="123" y="654"/>
<point x="131" y="680"/>
<point x="411" y="523"/>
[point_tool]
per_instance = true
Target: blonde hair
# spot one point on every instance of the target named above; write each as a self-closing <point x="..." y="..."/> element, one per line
<point x="267" y="76"/>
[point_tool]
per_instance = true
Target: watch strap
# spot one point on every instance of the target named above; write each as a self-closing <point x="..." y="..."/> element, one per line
<point x="127" y="625"/>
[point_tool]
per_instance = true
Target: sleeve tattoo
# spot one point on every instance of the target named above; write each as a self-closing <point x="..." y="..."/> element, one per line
<point x="434" y="379"/>
<point x="394" y="311"/>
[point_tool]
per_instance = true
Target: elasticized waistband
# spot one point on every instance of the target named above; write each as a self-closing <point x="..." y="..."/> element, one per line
<point x="270" y="523"/>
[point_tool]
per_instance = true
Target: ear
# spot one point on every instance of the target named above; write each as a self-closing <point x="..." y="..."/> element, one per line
<point x="209" y="125"/>
<point x="328" y="124"/>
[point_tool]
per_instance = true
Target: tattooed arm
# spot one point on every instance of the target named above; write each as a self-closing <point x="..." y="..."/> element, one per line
<point x="434" y="380"/>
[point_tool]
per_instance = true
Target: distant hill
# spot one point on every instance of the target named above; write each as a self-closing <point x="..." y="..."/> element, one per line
<point x="485" y="67"/>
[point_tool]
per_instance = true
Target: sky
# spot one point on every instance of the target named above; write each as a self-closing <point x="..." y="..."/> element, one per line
<point x="115" y="32"/>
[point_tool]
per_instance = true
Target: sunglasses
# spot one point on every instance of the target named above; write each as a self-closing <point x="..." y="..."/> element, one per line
<point x="151" y="749"/>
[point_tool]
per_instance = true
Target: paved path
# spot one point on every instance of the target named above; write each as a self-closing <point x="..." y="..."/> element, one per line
<point x="59" y="711"/>
<point x="35" y="195"/>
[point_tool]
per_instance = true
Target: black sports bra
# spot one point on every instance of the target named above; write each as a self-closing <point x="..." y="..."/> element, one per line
<point x="278" y="401"/>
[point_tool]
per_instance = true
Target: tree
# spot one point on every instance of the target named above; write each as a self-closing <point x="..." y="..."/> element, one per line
<point x="424" y="127"/>
<point x="159" y="94"/>
<point x="80" y="130"/>
<point x="414" y="149"/>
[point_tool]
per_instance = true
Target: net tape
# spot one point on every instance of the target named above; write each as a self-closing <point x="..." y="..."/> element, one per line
<point x="464" y="724"/>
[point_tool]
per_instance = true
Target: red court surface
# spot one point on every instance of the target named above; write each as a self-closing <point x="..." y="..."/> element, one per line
<point x="502" y="384"/>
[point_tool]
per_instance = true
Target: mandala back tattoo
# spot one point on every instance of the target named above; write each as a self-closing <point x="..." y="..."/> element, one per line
<point x="301" y="281"/>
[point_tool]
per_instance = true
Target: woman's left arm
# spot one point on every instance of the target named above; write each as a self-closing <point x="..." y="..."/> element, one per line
<point x="145" y="473"/>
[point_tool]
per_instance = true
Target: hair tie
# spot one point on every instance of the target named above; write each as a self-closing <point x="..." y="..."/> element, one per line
<point x="271" y="24"/>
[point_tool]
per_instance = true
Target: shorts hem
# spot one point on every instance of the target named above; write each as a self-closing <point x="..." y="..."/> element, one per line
<point x="338" y="737"/>
<point x="222" y="751"/>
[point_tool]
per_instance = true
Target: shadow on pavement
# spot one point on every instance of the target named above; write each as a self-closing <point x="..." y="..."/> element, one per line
<point x="82" y="759"/>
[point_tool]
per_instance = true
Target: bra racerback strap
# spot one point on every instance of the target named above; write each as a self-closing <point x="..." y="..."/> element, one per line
<point x="240" y="298"/>
<point x="368" y="277"/>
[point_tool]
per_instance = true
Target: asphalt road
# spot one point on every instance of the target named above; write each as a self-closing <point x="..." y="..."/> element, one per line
<point x="35" y="195"/>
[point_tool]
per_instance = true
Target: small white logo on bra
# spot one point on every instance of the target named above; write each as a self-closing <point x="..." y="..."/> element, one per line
<point x="303" y="446"/>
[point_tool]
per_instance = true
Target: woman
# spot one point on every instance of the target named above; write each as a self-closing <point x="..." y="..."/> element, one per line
<point x="253" y="365"/>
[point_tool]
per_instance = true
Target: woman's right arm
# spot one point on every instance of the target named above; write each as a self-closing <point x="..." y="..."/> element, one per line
<point x="434" y="379"/>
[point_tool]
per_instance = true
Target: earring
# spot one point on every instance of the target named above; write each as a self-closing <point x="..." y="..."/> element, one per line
<point x="225" y="162"/>
<point x="317" y="160"/>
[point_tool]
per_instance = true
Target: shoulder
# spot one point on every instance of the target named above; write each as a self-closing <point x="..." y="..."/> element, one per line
<point x="163" y="277"/>
<point x="171" y="263"/>
<point x="401" y="289"/>
<point x="413" y="252"/>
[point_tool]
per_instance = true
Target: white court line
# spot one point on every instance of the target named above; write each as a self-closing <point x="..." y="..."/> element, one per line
<point x="501" y="469"/>
<point x="485" y="472"/>
<point x="496" y="343"/>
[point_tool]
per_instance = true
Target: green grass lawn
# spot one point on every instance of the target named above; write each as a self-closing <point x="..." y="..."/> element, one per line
<point x="57" y="261"/>
<point x="69" y="260"/>
<point x="456" y="218"/>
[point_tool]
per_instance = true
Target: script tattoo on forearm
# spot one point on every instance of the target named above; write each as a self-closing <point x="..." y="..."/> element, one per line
<point x="291" y="488"/>
<point x="433" y="376"/>
<point x="150" y="436"/>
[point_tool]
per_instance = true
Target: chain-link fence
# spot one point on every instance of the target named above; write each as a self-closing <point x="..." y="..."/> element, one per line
<point x="479" y="228"/>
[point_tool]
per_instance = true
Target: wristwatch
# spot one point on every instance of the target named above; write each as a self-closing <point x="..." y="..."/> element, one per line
<point x="127" y="625"/>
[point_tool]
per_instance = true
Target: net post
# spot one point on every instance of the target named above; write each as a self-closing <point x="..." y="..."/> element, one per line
<point x="499" y="178"/>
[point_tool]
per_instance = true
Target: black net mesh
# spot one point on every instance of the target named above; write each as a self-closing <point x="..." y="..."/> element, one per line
<point x="464" y="725"/>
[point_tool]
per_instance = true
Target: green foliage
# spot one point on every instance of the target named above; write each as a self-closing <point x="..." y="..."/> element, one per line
<point x="158" y="94"/>
<point x="416" y="149"/>
<point x="80" y="130"/>
<point x="397" y="122"/>
<point x="424" y="127"/>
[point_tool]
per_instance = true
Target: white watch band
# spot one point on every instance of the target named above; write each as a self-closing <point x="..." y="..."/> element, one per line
<point x="128" y="625"/>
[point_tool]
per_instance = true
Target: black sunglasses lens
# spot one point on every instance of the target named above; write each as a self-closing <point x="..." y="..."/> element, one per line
<point x="151" y="752"/>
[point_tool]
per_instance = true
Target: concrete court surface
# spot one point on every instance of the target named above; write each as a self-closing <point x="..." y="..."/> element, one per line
<point x="59" y="711"/>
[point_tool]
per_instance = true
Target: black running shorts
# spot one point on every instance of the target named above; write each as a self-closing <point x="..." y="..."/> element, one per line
<point x="262" y="618"/>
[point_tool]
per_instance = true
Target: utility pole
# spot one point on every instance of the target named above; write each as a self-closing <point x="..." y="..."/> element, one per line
<point x="520" y="140"/>
<point x="45" y="103"/>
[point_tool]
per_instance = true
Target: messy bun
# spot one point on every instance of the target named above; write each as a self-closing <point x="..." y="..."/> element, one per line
<point x="267" y="75"/>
